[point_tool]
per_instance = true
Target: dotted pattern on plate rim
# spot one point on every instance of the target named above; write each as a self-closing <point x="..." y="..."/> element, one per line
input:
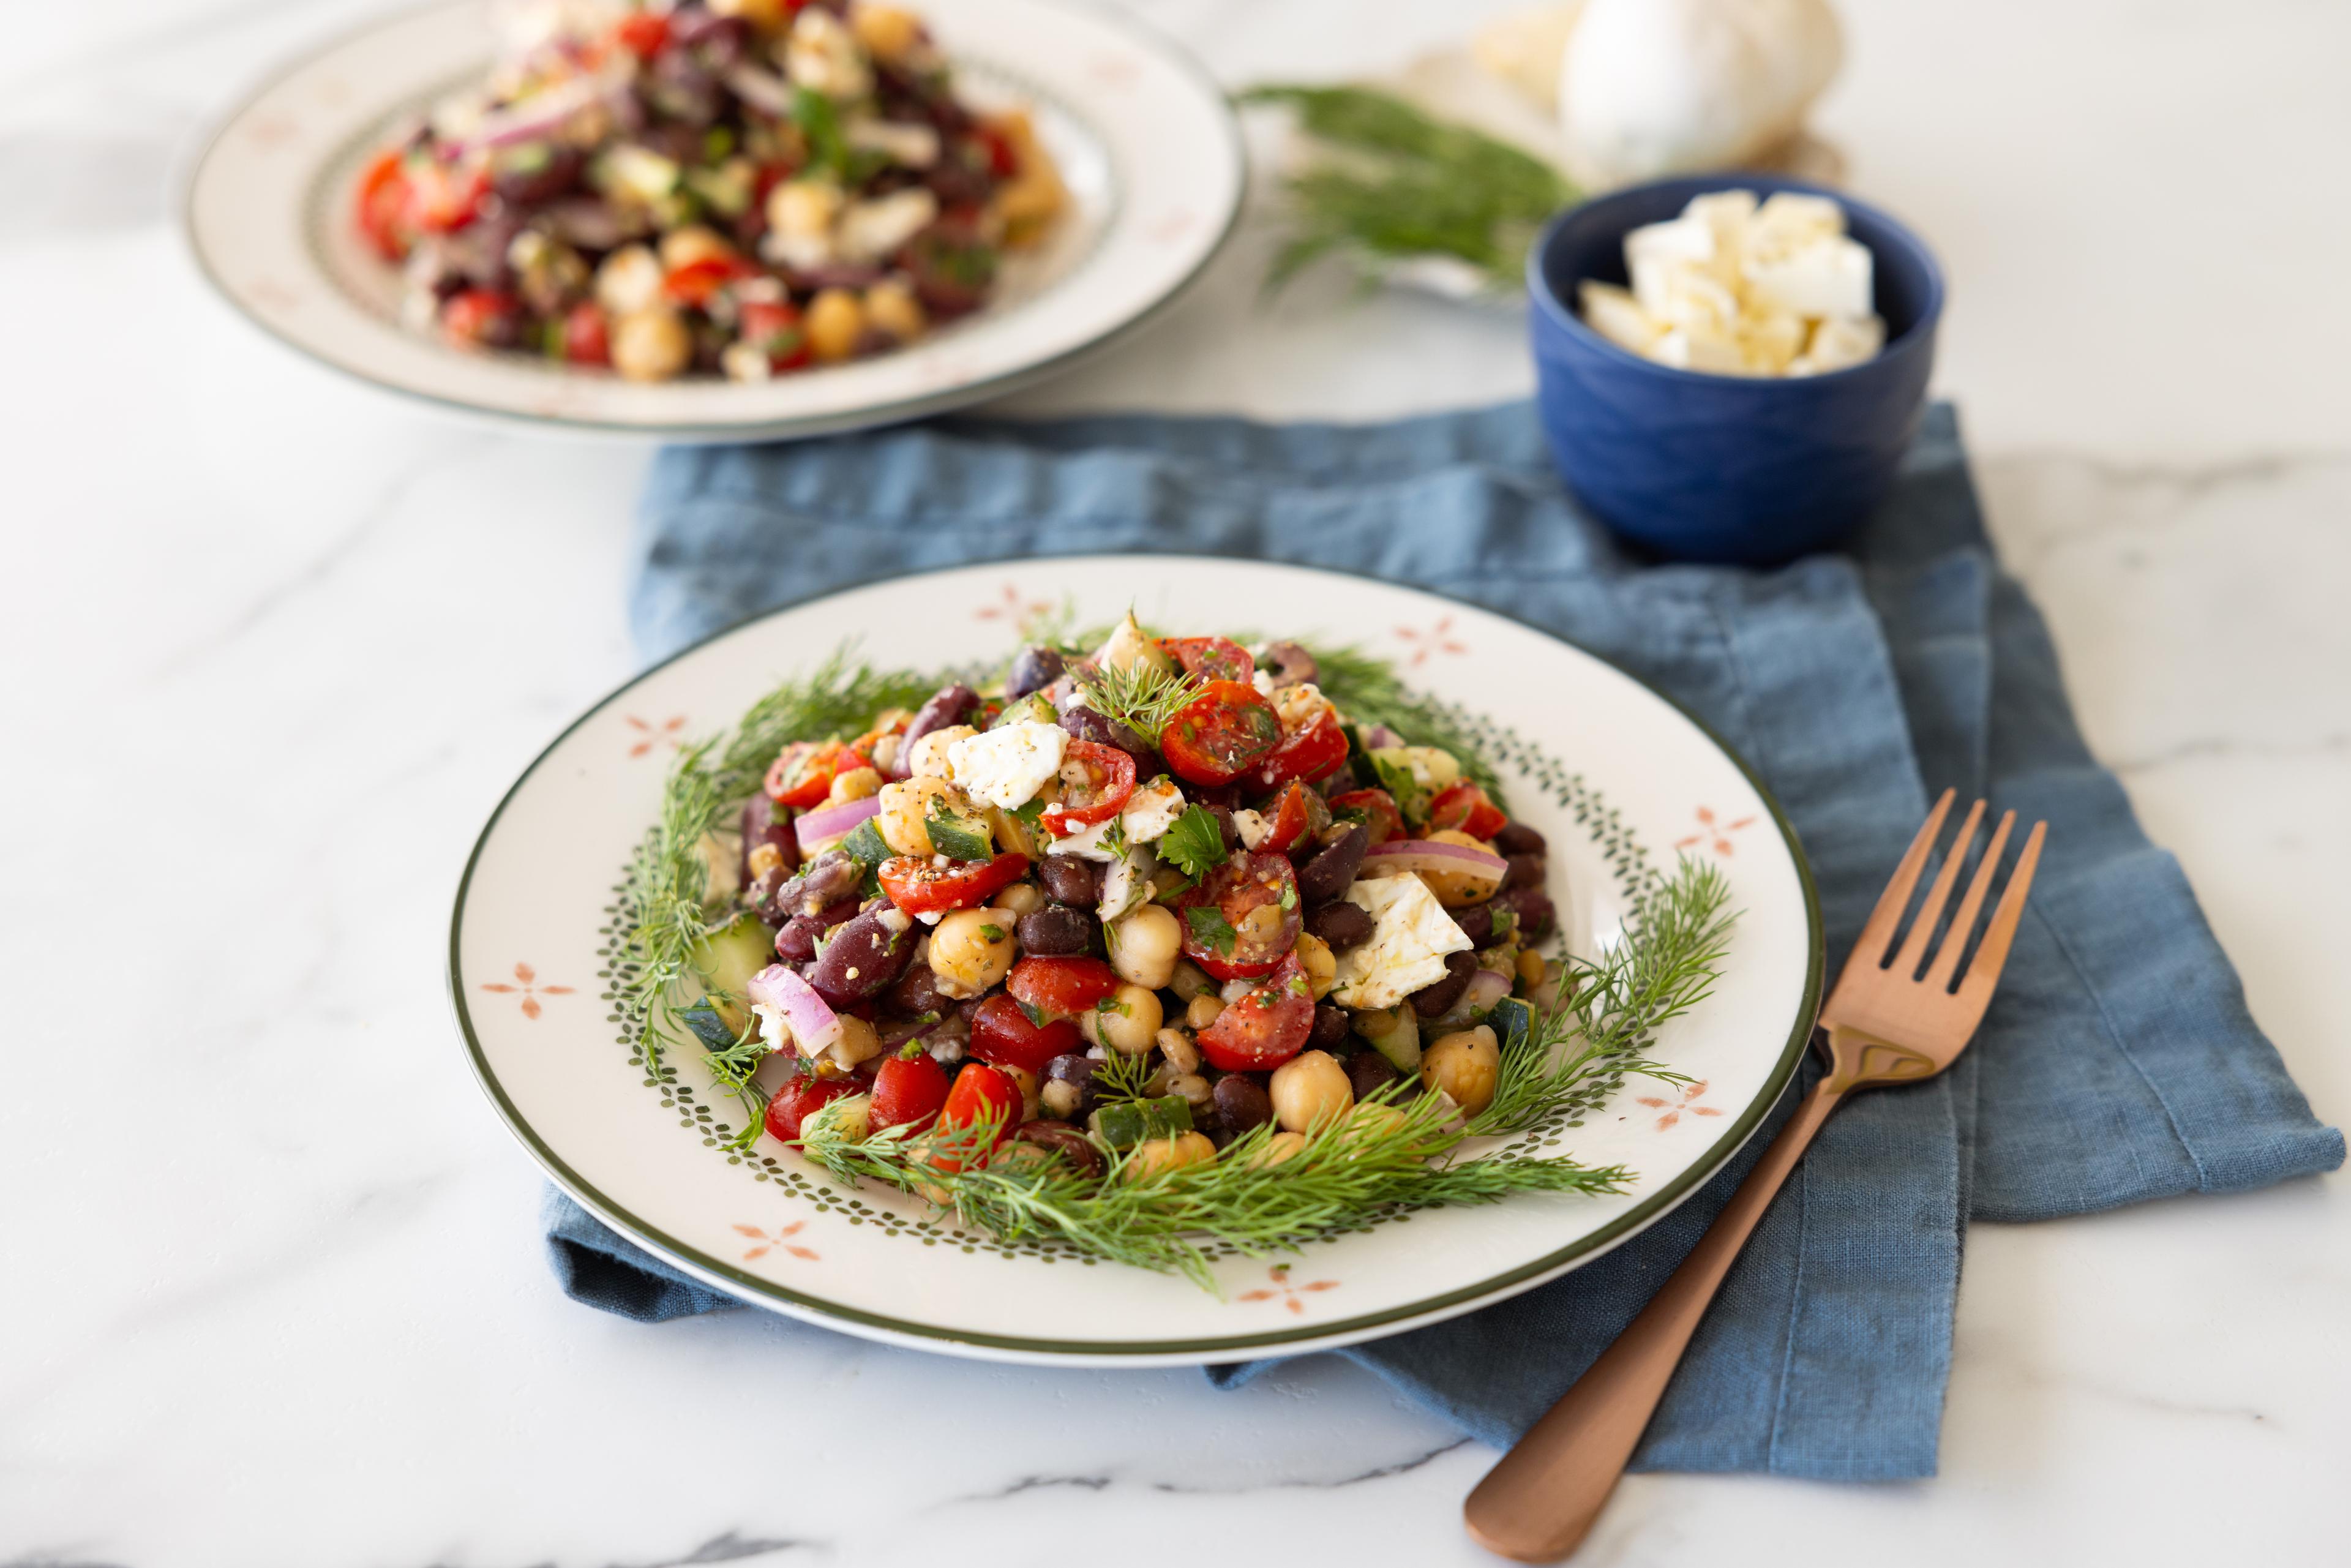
<point x="904" y="1215"/>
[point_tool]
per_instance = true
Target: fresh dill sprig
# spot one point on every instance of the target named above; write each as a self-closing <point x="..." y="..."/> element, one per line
<point x="1367" y="691"/>
<point x="1140" y="696"/>
<point x="1118" y="1076"/>
<point x="1395" y="184"/>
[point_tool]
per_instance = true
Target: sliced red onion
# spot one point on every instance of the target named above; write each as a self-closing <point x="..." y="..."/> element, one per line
<point x="815" y="1028"/>
<point x="822" y="827"/>
<point x="539" y="115"/>
<point x="1487" y="987"/>
<point x="1436" y="854"/>
<point x="762" y="89"/>
<point x="1380" y="737"/>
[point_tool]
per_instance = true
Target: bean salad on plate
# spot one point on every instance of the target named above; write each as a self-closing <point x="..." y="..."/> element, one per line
<point x="1145" y="941"/>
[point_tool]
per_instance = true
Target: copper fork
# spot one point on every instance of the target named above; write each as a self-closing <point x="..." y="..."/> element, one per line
<point x="1887" y="1024"/>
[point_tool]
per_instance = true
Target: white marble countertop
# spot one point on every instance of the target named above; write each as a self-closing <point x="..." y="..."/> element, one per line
<point x="273" y="646"/>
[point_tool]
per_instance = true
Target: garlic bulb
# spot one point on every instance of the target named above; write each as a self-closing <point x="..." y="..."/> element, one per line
<point x="1649" y="88"/>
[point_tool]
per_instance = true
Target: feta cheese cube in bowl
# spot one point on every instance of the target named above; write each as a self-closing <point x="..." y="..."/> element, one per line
<point x="1742" y="385"/>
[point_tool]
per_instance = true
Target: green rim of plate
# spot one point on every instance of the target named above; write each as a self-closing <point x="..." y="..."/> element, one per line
<point x="734" y="1280"/>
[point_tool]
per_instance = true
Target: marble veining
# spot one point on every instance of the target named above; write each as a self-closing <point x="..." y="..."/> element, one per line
<point x="273" y="645"/>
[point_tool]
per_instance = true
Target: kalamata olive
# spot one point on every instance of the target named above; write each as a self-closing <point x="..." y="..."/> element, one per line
<point x="1432" y="1001"/>
<point x="1057" y="929"/>
<point x="1538" y="916"/>
<point x="917" y="992"/>
<point x="1368" y="1070"/>
<point x="1330" y="874"/>
<point x="1331" y="1027"/>
<point x="1070" y="879"/>
<point x="1241" y="1103"/>
<point x="1518" y="838"/>
<point x="1287" y="664"/>
<point x="1525" y="870"/>
<point x="1476" y="923"/>
<point x="1076" y="1097"/>
<point x="1340" y="924"/>
<point x="865" y="957"/>
<point x="796" y="938"/>
<point x="1087" y="724"/>
<point x="1034" y="668"/>
<point x="1063" y="1140"/>
<point x="949" y="706"/>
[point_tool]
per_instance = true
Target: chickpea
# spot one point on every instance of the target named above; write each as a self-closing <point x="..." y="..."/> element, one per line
<point x="1061" y="1097"/>
<point x="1280" y="1149"/>
<point x="1530" y="968"/>
<point x="766" y="14"/>
<point x="858" y="1042"/>
<point x="1464" y="1065"/>
<point x="848" y="1119"/>
<point x="1260" y="925"/>
<point x="1157" y="1154"/>
<point x="1376" y="1119"/>
<point x="1178" y="1047"/>
<point x="833" y="323"/>
<point x="1314" y="957"/>
<point x="1128" y="1022"/>
<point x="803" y="208"/>
<point x="964" y="957"/>
<point x="1309" y="1090"/>
<point x="696" y="242"/>
<point x="1191" y="1087"/>
<point x="892" y="307"/>
<point x="1454" y="888"/>
<point x="1203" y="1009"/>
<point x="906" y="811"/>
<point x="887" y="32"/>
<point x="856" y="784"/>
<point x="1144" y="944"/>
<point x="764" y="858"/>
<point x="928" y="759"/>
<point x="1190" y="981"/>
<point x="630" y="280"/>
<point x="1026" y="1081"/>
<point x="651" y="345"/>
<point x="1021" y="898"/>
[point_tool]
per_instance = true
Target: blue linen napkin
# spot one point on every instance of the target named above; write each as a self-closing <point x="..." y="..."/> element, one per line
<point x="2119" y="1063"/>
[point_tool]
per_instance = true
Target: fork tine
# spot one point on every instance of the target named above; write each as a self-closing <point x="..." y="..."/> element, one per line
<point x="1877" y="935"/>
<point x="1963" y="924"/>
<point x="1975" y="992"/>
<point x="1914" y="950"/>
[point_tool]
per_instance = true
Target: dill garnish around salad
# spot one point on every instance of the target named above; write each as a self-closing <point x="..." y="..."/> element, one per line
<point x="1141" y="947"/>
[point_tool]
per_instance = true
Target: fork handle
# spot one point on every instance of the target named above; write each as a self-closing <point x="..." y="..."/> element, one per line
<point x="1539" y="1503"/>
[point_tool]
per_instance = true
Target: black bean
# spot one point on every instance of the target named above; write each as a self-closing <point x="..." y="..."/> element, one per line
<point x="1525" y="870"/>
<point x="1331" y="1027"/>
<point x="1538" y="916"/>
<point x="1057" y="929"/>
<point x="1287" y="664"/>
<point x="1241" y="1103"/>
<point x="1063" y="1140"/>
<point x="1340" y="924"/>
<point x="1518" y="838"/>
<point x="917" y="992"/>
<point x="1033" y="669"/>
<point x="949" y="706"/>
<point x="1078" y="1073"/>
<point x="863" y="958"/>
<point x="1476" y="923"/>
<point x="1432" y="1001"/>
<point x="1069" y="879"/>
<point x="1328" y="875"/>
<point x="1367" y="1072"/>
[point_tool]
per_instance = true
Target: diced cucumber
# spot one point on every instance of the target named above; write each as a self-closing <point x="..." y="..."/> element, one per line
<point x="725" y="962"/>
<point x="1123" y="1123"/>
<point x="1512" y="1021"/>
<point x="1394" y="1033"/>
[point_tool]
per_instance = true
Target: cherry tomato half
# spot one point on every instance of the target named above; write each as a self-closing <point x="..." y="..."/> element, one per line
<point x="802" y="775"/>
<point x="587" y="339"/>
<point x="1297" y="818"/>
<point x="442" y="197"/>
<point x="379" y="207"/>
<point x="1003" y="1034"/>
<point x="641" y="32"/>
<point x="696" y="281"/>
<point x="1243" y="917"/>
<point x="908" y="1091"/>
<point x="1100" y="779"/>
<point x="1060" y="987"/>
<point x="980" y="1093"/>
<point x="1465" y="808"/>
<point x="481" y="317"/>
<point x="1376" y="807"/>
<point x="918" y="887"/>
<point x="1310" y="753"/>
<point x="795" y="1102"/>
<point x="1211" y="658"/>
<point x="1221" y="734"/>
<point x="1265" y="1028"/>
<point x="773" y="326"/>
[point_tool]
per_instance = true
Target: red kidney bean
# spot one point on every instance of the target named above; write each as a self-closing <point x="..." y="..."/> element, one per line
<point x="1368" y="1072"/>
<point x="1340" y="924"/>
<point x="1476" y="923"/>
<point x="1070" y="879"/>
<point x="1063" y="1140"/>
<point x="1330" y="874"/>
<point x="760" y="827"/>
<point x="1518" y="838"/>
<point x="917" y="992"/>
<point x="1432" y="1001"/>
<point x="1057" y="929"/>
<point x="1525" y="870"/>
<point x="1331" y="1027"/>
<point x="1033" y="669"/>
<point x="863" y="958"/>
<point x="1538" y="916"/>
<point x="1241" y="1103"/>
<point x="796" y="939"/>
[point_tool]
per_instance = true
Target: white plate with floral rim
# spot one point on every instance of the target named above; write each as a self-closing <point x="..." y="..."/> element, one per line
<point x="1619" y="779"/>
<point x="1145" y="141"/>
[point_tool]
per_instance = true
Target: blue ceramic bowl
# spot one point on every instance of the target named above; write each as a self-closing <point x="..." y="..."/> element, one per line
<point x="1725" y="469"/>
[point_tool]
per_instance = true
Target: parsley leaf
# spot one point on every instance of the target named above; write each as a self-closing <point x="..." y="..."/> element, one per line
<point x="1396" y="778"/>
<point x="1195" y="843"/>
<point x="1209" y="924"/>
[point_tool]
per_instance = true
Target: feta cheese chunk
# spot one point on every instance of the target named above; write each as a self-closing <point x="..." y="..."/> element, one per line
<point x="1836" y="344"/>
<point x="1005" y="767"/>
<point x="822" y="54"/>
<point x="1151" y="811"/>
<point x="1251" y="826"/>
<point x="1615" y="315"/>
<point x="1826" y="276"/>
<point x="1411" y="935"/>
<point x="871" y="230"/>
<point x="1088" y="844"/>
